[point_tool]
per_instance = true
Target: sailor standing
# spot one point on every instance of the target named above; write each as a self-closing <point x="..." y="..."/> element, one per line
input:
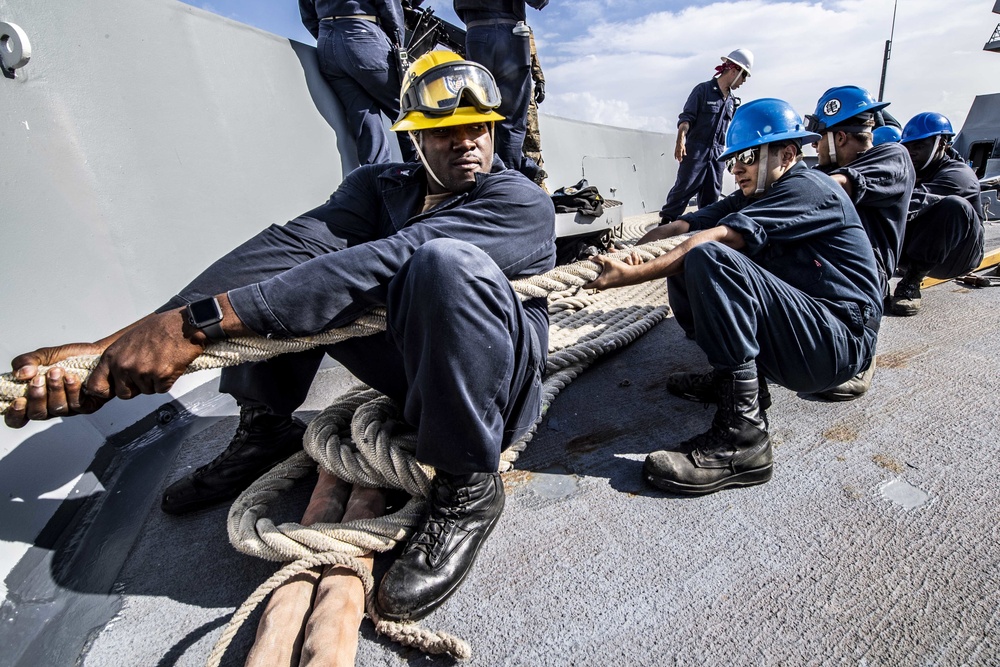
<point x="701" y="135"/>
<point x="497" y="38"/>
<point x="357" y="43"/>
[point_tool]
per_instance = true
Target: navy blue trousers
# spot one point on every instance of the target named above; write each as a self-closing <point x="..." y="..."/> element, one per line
<point x="741" y="315"/>
<point x="701" y="177"/>
<point x="459" y="355"/>
<point x="508" y="57"/>
<point x="356" y="59"/>
<point x="946" y="239"/>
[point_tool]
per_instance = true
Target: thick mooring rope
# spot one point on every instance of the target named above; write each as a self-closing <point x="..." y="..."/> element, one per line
<point x="241" y="350"/>
<point x="582" y="327"/>
<point x="376" y="455"/>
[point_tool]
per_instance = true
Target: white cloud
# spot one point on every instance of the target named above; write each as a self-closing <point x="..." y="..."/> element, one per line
<point x="638" y="73"/>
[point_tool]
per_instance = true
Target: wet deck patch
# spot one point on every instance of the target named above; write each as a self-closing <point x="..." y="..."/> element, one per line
<point x="592" y="441"/>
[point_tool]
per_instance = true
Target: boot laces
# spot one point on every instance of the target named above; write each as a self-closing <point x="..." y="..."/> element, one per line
<point x="239" y="438"/>
<point x="444" y="511"/>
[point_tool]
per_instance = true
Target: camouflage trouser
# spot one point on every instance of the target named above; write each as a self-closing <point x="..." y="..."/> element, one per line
<point x="532" y="146"/>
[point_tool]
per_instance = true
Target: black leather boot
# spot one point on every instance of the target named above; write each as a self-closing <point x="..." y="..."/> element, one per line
<point x="463" y="511"/>
<point x="700" y="388"/>
<point x="261" y="441"/>
<point x="735" y="451"/>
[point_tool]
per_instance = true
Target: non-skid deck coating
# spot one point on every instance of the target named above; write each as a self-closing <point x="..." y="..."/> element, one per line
<point x="876" y="543"/>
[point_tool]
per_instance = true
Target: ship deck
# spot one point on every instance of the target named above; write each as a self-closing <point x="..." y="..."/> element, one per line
<point x="876" y="542"/>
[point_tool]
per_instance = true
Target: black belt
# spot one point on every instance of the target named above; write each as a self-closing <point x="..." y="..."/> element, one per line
<point x="481" y="22"/>
<point x="360" y="17"/>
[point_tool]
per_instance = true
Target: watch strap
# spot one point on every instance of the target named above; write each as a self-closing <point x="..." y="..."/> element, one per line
<point x="214" y="331"/>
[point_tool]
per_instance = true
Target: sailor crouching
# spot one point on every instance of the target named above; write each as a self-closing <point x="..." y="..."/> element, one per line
<point x="779" y="281"/>
<point x="436" y="244"/>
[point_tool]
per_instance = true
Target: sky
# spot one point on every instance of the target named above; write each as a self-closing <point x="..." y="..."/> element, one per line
<point x="632" y="63"/>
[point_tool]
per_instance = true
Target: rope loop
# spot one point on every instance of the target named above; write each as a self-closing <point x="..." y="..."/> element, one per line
<point x="361" y="437"/>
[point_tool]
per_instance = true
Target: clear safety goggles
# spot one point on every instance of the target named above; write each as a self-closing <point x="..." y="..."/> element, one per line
<point x="747" y="157"/>
<point x="439" y="90"/>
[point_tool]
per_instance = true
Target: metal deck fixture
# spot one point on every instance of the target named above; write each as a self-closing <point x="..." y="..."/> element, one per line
<point x="15" y="49"/>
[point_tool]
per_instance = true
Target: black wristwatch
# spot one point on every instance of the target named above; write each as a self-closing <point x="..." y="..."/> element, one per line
<point x="205" y="314"/>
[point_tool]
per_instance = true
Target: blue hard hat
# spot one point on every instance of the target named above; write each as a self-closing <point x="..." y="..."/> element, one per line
<point x="762" y="122"/>
<point x="886" y="134"/>
<point x="841" y="104"/>
<point x="927" y="124"/>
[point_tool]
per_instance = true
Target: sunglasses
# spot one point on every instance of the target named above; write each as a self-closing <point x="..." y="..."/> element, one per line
<point x="747" y="157"/>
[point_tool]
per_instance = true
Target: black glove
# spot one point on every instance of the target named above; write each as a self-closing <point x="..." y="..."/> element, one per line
<point x="539" y="91"/>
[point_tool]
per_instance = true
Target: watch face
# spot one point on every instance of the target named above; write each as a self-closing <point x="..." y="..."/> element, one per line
<point x="205" y="311"/>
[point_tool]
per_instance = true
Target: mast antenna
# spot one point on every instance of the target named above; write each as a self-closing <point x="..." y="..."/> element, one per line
<point x="888" y="51"/>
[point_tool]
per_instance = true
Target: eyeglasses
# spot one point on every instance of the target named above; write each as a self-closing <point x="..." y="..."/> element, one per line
<point x="747" y="157"/>
<point x="440" y="90"/>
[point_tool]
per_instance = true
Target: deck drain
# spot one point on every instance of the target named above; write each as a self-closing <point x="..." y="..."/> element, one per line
<point x="553" y="483"/>
<point x="903" y="494"/>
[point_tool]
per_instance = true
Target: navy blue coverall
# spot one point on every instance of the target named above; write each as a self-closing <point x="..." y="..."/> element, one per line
<point x="882" y="182"/>
<point x="801" y="300"/>
<point x="461" y="354"/>
<point x="944" y="232"/>
<point x="490" y="41"/>
<point x="708" y="114"/>
<point x="356" y="58"/>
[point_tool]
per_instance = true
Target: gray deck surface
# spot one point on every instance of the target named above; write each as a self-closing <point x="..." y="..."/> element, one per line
<point x="876" y="543"/>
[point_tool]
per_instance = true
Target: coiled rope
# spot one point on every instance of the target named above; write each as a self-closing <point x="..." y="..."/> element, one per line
<point x="582" y="328"/>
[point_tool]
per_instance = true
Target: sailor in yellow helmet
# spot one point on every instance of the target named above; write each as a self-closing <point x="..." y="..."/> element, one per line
<point x="451" y="96"/>
<point x="462" y="355"/>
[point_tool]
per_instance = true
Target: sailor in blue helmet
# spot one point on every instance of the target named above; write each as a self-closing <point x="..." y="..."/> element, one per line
<point x="879" y="180"/>
<point x="944" y="229"/>
<point x="701" y="133"/>
<point x="886" y="134"/>
<point x="778" y="280"/>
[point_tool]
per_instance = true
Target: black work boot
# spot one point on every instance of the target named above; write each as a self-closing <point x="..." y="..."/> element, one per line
<point x="906" y="296"/>
<point x="735" y="451"/>
<point x="261" y="441"/>
<point x="463" y="511"/>
<point x="700" y="388"/>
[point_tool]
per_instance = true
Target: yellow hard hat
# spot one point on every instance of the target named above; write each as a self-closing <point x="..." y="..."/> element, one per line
<point x="442" y="90"/>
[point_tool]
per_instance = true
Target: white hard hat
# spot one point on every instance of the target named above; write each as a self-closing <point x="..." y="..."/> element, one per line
<point x="741" y="57"/>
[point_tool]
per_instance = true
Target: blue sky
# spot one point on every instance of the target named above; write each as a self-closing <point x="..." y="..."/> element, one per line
<point x="632" y="62"/>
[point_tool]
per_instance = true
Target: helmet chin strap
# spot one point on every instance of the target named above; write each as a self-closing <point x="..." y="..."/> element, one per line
<point x="831" y="148"/>
<point x="420" y="153"/>
<point x="762" y="170"/>
<point x="423" y="158"/>
<point x="934" y="150"/>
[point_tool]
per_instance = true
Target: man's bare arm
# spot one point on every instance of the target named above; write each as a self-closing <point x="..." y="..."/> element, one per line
<point x="615" y="273"/>
<point x="145" y="357"/>
<point x="665" y="231"/>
